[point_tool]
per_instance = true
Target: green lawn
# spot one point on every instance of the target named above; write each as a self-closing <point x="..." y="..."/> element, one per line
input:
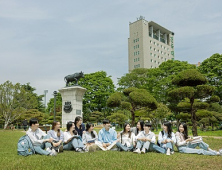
<point x="103" y="160"/>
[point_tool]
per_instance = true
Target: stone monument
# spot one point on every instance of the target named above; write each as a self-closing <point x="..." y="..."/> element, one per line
<point x="72" y="99"/>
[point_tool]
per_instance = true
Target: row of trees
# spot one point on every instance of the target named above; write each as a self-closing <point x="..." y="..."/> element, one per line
<point x="176" y="90"/>
<point x="191" y="96"/>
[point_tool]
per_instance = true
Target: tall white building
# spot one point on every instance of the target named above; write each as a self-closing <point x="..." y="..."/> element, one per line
<point x="149" y="44"/>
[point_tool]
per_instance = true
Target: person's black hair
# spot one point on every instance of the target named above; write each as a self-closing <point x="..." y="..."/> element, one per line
<point x="185" y="132"/>
<point x="78" y="118"/>
<point x="69" y="125"/>
<point x="88" y="125"/>
<point x="162" y="123"/>
<point x="141" y="125"/>
<point x="148" y="124"/>
<point x="169" y="128"/>
<point x="33" y="121"/>
<point x="106" y="121"/>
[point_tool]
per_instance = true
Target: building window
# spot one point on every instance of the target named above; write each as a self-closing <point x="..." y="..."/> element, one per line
<point x="161" y="46"/>
<point x="150" y="47"/>
<point x="157" y="44"/>
<point x="168" y="54"/>
<point x="158" y="63"/>
<point x="158" y="56"/>
<point x="138" y="45"/>
<point x="155" y="61"/>
<point x="154" y="43"/>
<point x="161" y="58"/>
<point x="165" y="59"/>
<point x="151" y="60"/>
<point x="138" y="39"/>
<point x="138" y="52"/>
<point x="151" y="54"/>
<point x="158" y="50"/>
<point x="154" y="55"/>
<point x="151" y="66"/>
<point x="138" y="65"/>
<point x="150" y="41"/>
<point x="138" y="59"/>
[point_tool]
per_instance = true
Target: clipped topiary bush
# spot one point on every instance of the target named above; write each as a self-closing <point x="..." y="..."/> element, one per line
<point x="190" y="77"/>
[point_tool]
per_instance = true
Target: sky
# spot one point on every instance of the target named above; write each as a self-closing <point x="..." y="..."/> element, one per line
<point x="43" y="41"/>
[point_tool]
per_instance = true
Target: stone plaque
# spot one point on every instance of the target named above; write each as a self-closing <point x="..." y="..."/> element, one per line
<point x="78" y="112"/>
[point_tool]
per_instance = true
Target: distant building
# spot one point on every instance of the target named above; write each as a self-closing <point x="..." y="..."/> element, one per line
<point x="198" y="64"/>
<point x="149" y="44"/>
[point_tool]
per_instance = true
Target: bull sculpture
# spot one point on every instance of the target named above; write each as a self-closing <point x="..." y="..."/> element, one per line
<point x="73" y="77"/>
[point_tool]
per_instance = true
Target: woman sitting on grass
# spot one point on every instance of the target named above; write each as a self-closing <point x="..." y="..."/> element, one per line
<point x="187" y="145"/>
<point x="72" y="141"/>
<point x="126" y="139"/>
<point x="79" y="126"/>
<point x="166" y="140"/>
<point x="139" y="127"/>
<point x="90" y="137"/>
<point x="57" y="136"/>
<point x="136" y="130"/>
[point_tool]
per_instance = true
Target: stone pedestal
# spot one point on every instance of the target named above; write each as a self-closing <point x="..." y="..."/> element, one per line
<point x="71" y="103"/>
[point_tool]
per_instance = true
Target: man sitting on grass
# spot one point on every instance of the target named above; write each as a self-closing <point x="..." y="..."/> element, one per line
<point x="107" y="137"/>
<point x="40" y="139"/>
<point x="145" y="139"/>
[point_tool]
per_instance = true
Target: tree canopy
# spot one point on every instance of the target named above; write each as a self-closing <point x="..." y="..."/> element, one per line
<point x="157" y="81"/>
<point x="99" y="87"/>
<point x="212" y="69"/>
<point x="132" y="99"/>
<point x="191" y="85"/>
<point x="15" y="100"/>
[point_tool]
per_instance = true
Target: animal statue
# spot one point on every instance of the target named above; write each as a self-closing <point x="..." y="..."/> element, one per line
<point x="73" y="77"/>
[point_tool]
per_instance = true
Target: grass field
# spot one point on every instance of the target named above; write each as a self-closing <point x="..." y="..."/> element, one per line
<point x="103" y="160"/>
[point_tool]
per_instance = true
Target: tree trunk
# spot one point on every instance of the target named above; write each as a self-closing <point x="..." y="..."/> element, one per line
<point x="193" y="119"/>
<point x="157" y="123"/>
<point x="178" y="123"/>
<point x="133" y="117"/>
<point x="6" y="124"/>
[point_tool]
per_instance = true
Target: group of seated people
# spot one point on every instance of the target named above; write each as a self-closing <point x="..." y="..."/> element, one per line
<point x="138" y="139"/>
